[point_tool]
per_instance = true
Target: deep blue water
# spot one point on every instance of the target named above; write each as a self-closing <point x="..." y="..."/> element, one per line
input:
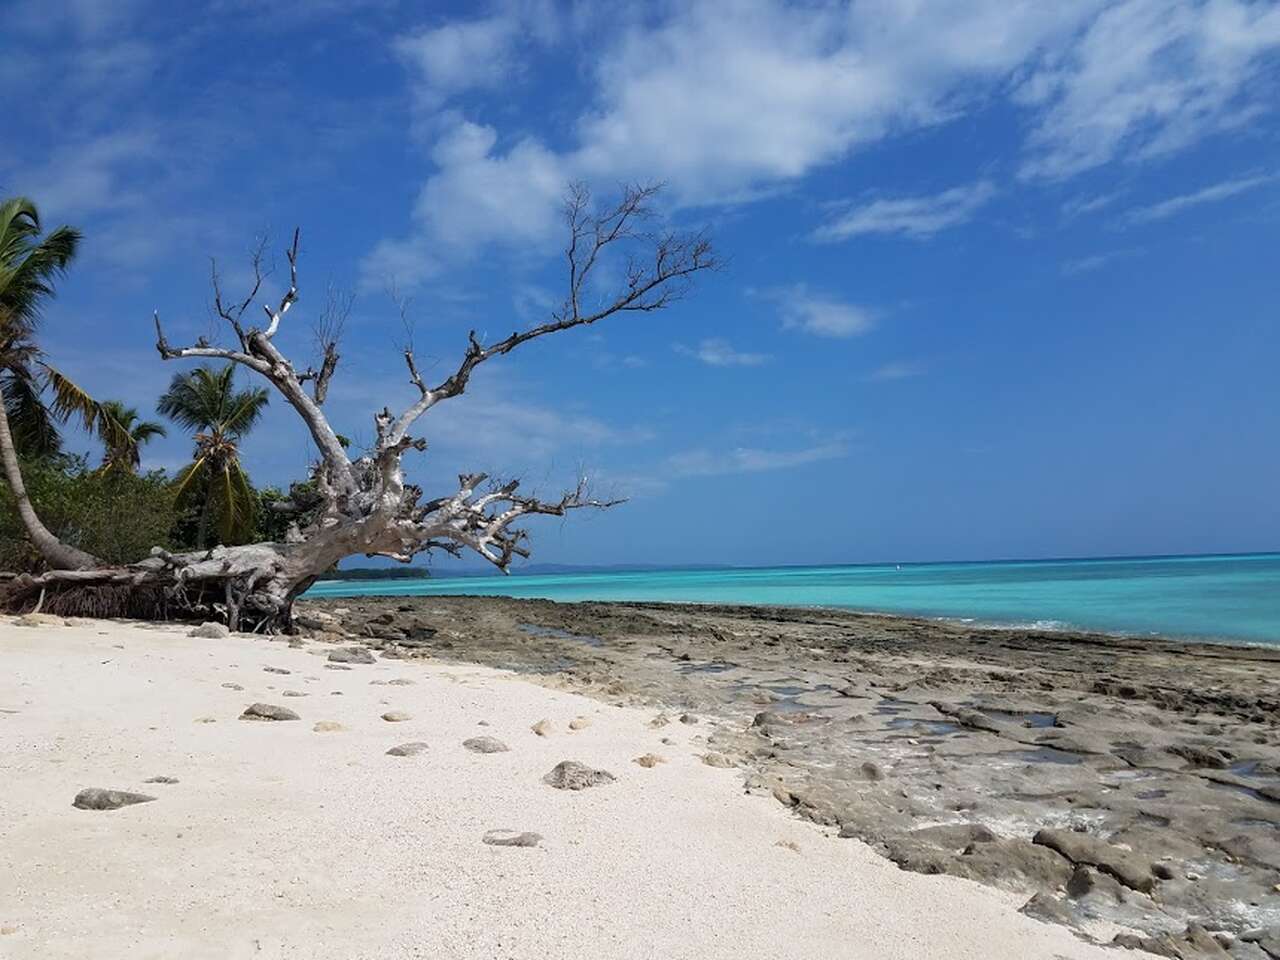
<point x="1211" y="597"/>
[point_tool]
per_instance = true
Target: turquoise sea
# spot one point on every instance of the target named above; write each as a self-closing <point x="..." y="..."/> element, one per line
<point x="1225" y="597"/>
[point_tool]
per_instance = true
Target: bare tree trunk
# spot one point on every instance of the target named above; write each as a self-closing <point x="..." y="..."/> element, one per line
<point x="365" y="506"/>
<point x="58" y="555"/>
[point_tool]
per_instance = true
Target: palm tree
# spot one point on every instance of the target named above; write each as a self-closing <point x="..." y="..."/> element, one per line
<point x="206" y="400"/>
<point x="28" y="424"/>
<point x="122" y="447"/>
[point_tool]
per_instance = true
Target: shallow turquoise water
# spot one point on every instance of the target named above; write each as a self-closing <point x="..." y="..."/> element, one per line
<point x="1214" y="597"/>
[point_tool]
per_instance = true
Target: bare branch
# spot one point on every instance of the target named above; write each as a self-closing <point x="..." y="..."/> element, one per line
<point x="653" y="281"/>
<point x="290" y="295"/>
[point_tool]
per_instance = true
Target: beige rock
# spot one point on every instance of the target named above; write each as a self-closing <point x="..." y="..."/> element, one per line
<point x="328" y="726"/>
<point x="649" y="760"/>
<point x="542" y="728"/>
<point x="396" y="716"/>
<point x="579" y="723"/>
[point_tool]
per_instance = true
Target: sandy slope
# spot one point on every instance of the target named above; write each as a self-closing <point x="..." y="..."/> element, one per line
<point x="283" y="842"/>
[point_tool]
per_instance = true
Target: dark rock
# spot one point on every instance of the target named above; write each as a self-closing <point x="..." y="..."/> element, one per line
<point x="411" y="749"/>
<point x="572" y="775"/>
<point x="1128" y="868"/>
<point x="96" y="798"/>
<point x="872" y="771"/>
<point x="276" y="670"/>
<point x="1200" y="756"/>
<point x="688" y="718"/>
<point x="510" y="838"/>
<point x="485" y="745"/>
<point x="233" y="686"/>
<point x="210" y="631"/>
<point x="1086" y="881"/>
<point x="268" y="711"/>
<point x="351" y="655"/>
<point x="161" y="780"/>
<point x="1050" y="909"/>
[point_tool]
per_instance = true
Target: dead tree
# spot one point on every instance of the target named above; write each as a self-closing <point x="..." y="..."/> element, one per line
<point x="364" y="505"/>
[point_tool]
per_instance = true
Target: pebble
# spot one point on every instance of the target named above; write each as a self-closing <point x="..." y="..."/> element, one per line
<point x="542" y="728"/>
<point x="328" y="726"/>
<point x="351" y="655"/>
<point x="294" y="693"/>
<point x="396" y="716"/>
<point x="485" y="745"/>
<point x="411" y="749"/>
<point x="649" y="760"/>
<point x="688" y="718"/>
<point x="510" y="838"/>
<point x="276" y="670"/>
<point x="336" y="666"/>
<point x="161" y="780"/>
<point x="402" y="682"/>
<point x="96" y="798"/>
<point x="268" y="711"/>
<point x="579" y="723"/>
<point x="572" y="775"/>
<point x="233" y="686"/>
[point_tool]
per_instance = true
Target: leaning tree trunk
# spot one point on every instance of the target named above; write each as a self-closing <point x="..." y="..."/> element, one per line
<point x="58" y="555"/>
<point x="364" y="506"/>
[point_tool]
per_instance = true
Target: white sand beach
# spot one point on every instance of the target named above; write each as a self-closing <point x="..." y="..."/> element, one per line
<point x="279" y="841"/>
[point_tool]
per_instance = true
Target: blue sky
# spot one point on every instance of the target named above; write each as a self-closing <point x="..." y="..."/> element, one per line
<point x="1001" y="278"/>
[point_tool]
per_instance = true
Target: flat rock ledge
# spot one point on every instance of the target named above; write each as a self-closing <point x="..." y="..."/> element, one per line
<point x="96" y="798"/>
<point x="572" y="775"/>
<point x="1080" y="848"/>
<point x="512" y="838"/>
<point x="485" y="745"/>
<point x="268" y="711"/>
<point x="210" y="631"/>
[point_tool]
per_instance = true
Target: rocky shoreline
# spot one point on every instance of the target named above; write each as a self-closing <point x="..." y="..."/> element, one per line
<point x="1105" y="778"/>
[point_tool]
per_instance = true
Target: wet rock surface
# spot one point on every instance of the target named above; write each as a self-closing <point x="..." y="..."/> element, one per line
<point x="1127" y="779"/>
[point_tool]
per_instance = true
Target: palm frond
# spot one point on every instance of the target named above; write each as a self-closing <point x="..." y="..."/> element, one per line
<point x="244" y="410"/>
<point x="34" y="432"/>
<point x="187" y="479"/>
<point x="235" y="503"/>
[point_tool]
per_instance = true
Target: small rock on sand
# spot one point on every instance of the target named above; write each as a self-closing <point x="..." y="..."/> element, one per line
<point x="328" y="726"/>
<point x="396" y="716"/>
<point x="407" y="749"/>
<point x="579" y="723"/>
<point x="96" y="798"/>
<point x="542" y="728"/>
<point x="205" y="720"/>
<point x="210" y="631"/>
<point x="268" y="711"/>
<point x="485" y="745"/>
<point x="572" y="775"/>
<point x="161" y="780"/>
<point x="401" y="682"/>
<point x="351" y="655"/>
<point x="688" y="718"/>
<point x="276" y="670"/>
<point x="294" y="693"/>
<point x="512" y="838"/>
<point x="716" y="760"/>
<point x="661" y="720"/>
<point x="233" y="686"/>
<point x="649" y="760"/>
<point x="336" y="666"/>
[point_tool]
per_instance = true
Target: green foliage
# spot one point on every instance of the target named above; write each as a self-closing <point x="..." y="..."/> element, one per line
<point x="118" y="516"/>
<point x="206" y="400"/>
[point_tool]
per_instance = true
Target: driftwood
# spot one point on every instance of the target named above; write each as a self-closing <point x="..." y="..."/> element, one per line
<point x="364" y="505"/>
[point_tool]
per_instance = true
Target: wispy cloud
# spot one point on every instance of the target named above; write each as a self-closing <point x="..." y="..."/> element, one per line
<point x="707" y="463"/>
<point x="1211" y="194"/>
<point x="896" y="371"/>
<point x="1146" y="78"/>
<point x="717" y="352"/>
<point x="1083" y="205"/>
<point x="1088" y="264"/>
<point x="916" y="217"/>
<point x="818" y="313"/>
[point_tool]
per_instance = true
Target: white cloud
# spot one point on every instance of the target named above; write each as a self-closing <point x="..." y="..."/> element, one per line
<point x="1097" y="261"/>
<point x="724" y="101"/>
<point x="818" y="313"/>
<point x="472" y="54"/>
<point x="707" y="463"/>
<point x="1210" y="194"/>
<point x="717" y="352"/>
<point x="917" y="217"/>
<point x="1146" y="78"/>
<point x="1082" y="205"/>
